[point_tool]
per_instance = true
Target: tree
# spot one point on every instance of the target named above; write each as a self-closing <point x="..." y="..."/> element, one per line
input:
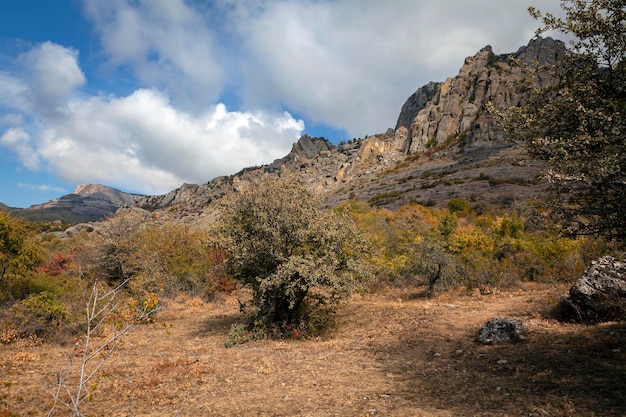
<point x="578" y="125"/>
<point x="293" y="255"/>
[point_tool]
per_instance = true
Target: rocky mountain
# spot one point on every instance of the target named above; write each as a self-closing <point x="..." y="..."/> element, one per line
<point x="444" y="145"/>
<point x="87" y="203"/>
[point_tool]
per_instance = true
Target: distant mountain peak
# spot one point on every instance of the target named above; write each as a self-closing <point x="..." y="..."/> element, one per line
<point x="88" y="202"/>
<point x="90" y="189"/>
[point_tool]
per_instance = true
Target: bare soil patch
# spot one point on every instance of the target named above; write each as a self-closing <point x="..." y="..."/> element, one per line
<point x="393" y="354"/>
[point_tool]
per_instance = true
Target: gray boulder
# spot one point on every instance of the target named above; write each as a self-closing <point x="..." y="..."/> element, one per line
<point x="502" y="330"/>
<point x="600" y="294"/>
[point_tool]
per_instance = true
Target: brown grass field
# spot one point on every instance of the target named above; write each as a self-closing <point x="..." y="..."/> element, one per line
<point x="392" y="354"/>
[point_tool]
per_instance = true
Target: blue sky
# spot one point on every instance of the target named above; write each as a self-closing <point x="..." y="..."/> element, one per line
<point x="143" y="95"/>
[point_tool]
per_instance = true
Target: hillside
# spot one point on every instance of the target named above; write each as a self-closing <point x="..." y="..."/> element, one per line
<point x="445" y="145"/>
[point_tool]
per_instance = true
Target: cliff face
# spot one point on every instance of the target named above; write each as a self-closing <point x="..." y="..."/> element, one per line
<point x="456" y="107"/>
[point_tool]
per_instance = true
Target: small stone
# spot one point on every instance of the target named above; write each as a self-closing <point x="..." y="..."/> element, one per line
<point x="501" y="330"/>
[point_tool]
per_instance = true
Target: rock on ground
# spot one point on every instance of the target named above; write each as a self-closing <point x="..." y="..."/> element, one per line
<point x="501" y="330"/>
<point x="600" y="294"/>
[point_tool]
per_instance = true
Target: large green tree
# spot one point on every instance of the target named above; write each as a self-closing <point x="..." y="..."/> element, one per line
<point x="578" y="125"/>
<point x="294" y="256"/>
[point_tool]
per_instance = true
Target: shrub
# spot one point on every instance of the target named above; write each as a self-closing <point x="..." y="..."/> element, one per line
<point x="20" y="253"/>
<point x="156" y="255"/>
<point x="40" y="315"/>
<point x="296" y="258"/>
<point x="458" y="204"/>
<point x="447" y="225"/>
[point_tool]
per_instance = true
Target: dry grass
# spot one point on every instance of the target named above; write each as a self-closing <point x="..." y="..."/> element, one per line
<point x="392" y="355"/>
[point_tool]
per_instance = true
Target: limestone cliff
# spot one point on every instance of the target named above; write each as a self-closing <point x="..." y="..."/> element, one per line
<point x="455" y="110"/>
<point x="444" y="145"/>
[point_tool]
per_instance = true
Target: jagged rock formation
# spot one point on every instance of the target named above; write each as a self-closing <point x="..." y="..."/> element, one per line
<point x="600" y="294"/>
<point x="454" y="110"/>
<point x="416" y="102"/>
<point x="87" y="203"/>
<point x="189" y="198"/>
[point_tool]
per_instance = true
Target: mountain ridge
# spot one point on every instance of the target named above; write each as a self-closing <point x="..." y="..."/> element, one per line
<point x="444" y="145"/>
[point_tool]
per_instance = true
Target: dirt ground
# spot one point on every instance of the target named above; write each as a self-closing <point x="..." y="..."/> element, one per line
<point x="393" y="354"/>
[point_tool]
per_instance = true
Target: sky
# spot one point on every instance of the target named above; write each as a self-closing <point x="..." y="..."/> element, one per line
<point x="145" y="95"/>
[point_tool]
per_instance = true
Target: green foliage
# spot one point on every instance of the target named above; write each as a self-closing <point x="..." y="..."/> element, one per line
<point x="428" y="260"/>
<point x="578" y="125"/>
<point x="509" y="226"/>
<point x="241" y="333"/>
<point x="458" y="205"/>
<point x="294" y="256"/>
<point x="447" y="225"/>
<point x="420" y="246"/>
<point x="39" y="314"/>
<point x="492" y="59"/>
<point x="20" y="253"/>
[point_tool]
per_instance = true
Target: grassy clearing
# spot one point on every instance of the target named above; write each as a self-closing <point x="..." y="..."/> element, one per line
<point x="394" y="354"/>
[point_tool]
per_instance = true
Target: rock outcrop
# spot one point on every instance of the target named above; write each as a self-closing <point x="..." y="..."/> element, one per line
<point x="443" y="131"/>
<point x="444" y="145"/>
<point x="600" y="294"/>
<point x="454" y="110"/>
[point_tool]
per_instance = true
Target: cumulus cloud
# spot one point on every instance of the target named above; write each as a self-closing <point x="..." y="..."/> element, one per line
<point x="14" y="92"/>
<point x="348" y="64"/>
<point x="19" y="141"/>
<point x="144" y="143"/>
<point x="351" y="64"/>
<point x="164" y="43"/>
<point x="52" y="74"/>
<point x="140" y="142"/>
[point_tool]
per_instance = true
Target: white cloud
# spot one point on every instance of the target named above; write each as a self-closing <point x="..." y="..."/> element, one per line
<point x="14" y="92"/>
<point x="53" y="75"/>
<point x="142" y="142"/>
<point x="352" y="63"/>
<point x="19" y="141"/>
<point x="12" y="119"/>
<point x="165" y="44"/>
<point x="349" y="64"/>
<point x="41" y="187"/>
